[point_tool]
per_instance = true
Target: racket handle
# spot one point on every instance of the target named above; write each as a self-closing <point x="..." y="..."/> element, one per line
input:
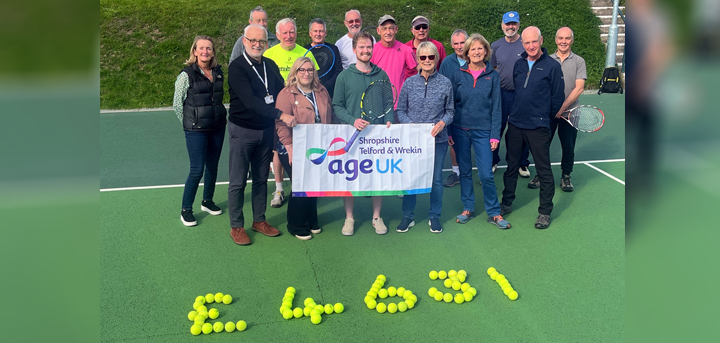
<point x="351" y="141"/>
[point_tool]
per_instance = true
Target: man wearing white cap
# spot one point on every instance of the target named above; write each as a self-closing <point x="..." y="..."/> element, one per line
<point x="421" y="31"/>
<point x="393" y="57"/>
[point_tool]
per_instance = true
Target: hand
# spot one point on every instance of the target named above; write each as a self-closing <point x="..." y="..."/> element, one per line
<point x="437" y="128"/>
<point x="288" y="119"/>
<point x="388" y="124"/>
<point x="289" y="151"/>
<point x="559" y="115"/>
<point x="360" y="124"/>
<point x="494" y="145"/>
<point x="451" y="142"/>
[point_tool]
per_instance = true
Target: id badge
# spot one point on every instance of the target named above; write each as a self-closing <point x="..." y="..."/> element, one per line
<point x="269" y="99"/>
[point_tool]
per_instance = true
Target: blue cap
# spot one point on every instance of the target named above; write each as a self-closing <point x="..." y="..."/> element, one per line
<point x="511" y="16"/>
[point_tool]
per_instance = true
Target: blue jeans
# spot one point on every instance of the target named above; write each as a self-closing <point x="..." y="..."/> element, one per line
<point x="204" y="148"/>
<point x="436" y="193"/>
<point x="507" y="98"/>
<point x="479" y="140"/>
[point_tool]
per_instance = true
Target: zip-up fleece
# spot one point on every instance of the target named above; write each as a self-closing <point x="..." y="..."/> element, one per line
<point x="477" y="101"/>
<point x="427" y="102"/>
<point x="349" y="88"/>
<point x="539" y="92"/>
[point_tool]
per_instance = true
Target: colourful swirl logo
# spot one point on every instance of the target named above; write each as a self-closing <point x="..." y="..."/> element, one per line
<point x="325" y="153"/>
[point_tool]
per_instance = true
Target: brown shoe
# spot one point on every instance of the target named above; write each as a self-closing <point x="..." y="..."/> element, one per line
<point x="265" y="229"/>
<point x="239" y="236"/>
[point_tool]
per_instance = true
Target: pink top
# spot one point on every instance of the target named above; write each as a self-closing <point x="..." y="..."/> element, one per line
<point x="394" y="61"/>
<point x="438" y="45"/>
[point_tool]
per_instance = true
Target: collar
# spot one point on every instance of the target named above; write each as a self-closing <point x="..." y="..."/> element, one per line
<point x="524" y="55"/>
<point x="570" y="55"/>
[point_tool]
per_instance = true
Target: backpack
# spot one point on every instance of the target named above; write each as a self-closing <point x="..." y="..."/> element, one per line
<point x="610" y="82"/>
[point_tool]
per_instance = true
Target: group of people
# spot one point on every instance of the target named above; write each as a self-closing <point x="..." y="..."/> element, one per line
<point x="470" y="96"/>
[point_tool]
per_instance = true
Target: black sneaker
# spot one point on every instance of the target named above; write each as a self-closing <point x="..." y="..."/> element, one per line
<point x="566" y="184"/>
<point x="210" y="207"/>
<point x="435" y="226"/>
<point x="405" y="224"/>
<point x="187" y="217"/>
<point x="452" y="180"/>
<point x="505" y="209"/>
<point x="543" y="221"/>
<point x="534" y="183"/>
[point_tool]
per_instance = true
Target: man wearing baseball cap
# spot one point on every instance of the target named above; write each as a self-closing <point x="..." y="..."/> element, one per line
<point x="395" y="58"/>
<point x="421" y="31"/>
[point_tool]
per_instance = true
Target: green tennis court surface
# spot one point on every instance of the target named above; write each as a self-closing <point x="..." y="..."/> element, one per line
<point x="570" y="277"/>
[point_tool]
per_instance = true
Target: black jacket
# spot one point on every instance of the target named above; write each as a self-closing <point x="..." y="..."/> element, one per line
<point x="328" y="80"/>
<point x="248" y="108"/>
<point x="203" y="109"/>
<point x="539" y="93"/>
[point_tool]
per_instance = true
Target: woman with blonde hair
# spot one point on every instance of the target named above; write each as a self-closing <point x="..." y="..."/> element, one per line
<point x="198" y="104"/>
<point x="306" y="99"/>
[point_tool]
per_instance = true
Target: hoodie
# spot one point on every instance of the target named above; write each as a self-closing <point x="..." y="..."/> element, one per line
<point x="349" y="88"/>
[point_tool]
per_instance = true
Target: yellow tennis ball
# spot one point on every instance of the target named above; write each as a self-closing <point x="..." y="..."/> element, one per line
<point x="507" y="290"/>
<point x="467" y="296"/>
<point x="329" y="309"/>
<point x="392" y="308"/>
<point x="308" y="310"/>
<point x="433" y="275"/>
<point x="209" y="298"/>
<point x="412" y="297"/>
<point x="472" y="291"/>
<point x="192" y="315"/>
<point x="287" y="314"/>
<point x="372" y="293"/>
<point x="198" y="304"/>
<point x="316" y="319"/>
<point x="377" y="285"/>
<point x="308" y="301"/>
<point x="287" y="304"/>
<point x="391" y="291"/>
<point x="381" y="307"/>
<point x="204" y="314"/>
<point x="491" y="270"/>
<point x="339" y="308"/>
<point x="448" y="297"/>
<point x="218" y="297"/>
<point x="218" y="327"/>
<point x="494" y="275"/>
<point x="452" y="273"/>
<point x="504" y="283"/>
<point x="442" y="275"/>
<point x="290" y="290"/>
<point x="410" y="303"/>
<point x="462" y="272"/>
<point x="448" y="283"/>
<point x="316" y="312"/>
<point x="283" y="308"/>
<point x="454" y="278"/>
<point x="513" y="295"/>
<point x="432" y="291"/>
<point x="320" y="308"/>
<point x="371" y="304"/>
<point x="196" y="329"/>
<point x="402" y="306"/>
<point x="241" y="325"/>
<point x="459" y="298"/>
<point x="499" y="277"/>
<point x="207" y="328"/>
<point x="213" y="313"/>
<point x="461" y="277"/>
<point x="200" y="298"/>
<point x="368" y="298"/>
<point x="227" y="299"/>
<point x="464" y="287"/>
<point x="201" y="308"/>
<point x="297" y="312"/>
<point x="229" y="326"/>
<point x="383" y="293"/>
<point x="438" y="296"/>
<point x="381" y="277"/>
<point x="199" y="320"/>
<point x="408" y="293"/>
<point x="456" y="285"/>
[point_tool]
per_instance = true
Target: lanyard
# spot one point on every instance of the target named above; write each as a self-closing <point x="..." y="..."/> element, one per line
<point x="258" y="74"/>
<point x="313" y="101"/>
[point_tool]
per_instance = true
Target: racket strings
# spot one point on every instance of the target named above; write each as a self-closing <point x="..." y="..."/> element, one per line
<point x="323" y="56"/>
<point x="586" y="119"/>
<point x="378" y="100"/>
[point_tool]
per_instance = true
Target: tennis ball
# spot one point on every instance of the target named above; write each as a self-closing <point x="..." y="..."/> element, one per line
<point x="407" y="294"/>
<point x="433" y="275"/>
<point x="452" y="273"/>
<point x="207" y="328"/>
<point x="383" y="293"/>
<point x="209" y="298"/>
<point x="442" y="275"/>
<point x="467" y="296"/>
<point x="461" y="277"/>
<point x="391" y="291"/>
<point x="377" y="285"/>
<point x="329" y="309"/>
<point x="371" y="304"/>
<point x="339" y="308"/>
<point x="494" y="275"/>
<point x="290" y="290"/>
<point x="368" y="298"/>
<point x="499" y="277"/>
<point x="372" y="293"/>
<point x="218" y="297"/>
<point x="456" y="285"/>
<point x="229" y="326"/>
<point x="459" y="298"/>
<point x="462" y="272"/>
<point x="381" y="308"/>
<point x="504" y="283"/>
<point x="199" y="320"/>
<point x="381" y="277"/>
<point x="200" y="298"/>
<point x="507" y="290"/>
<point x="448" y="297"/>
<point x="402" y="306"/>
<point x="192" y="315"/>
<point x="464" y="287"/>
<point x="432" y="291"/>
<point x="320" y="308"/>
<point x="472" y="291"/>
<point x="195" y="329"/>
<point x="491" y="270"/>
<point x="316" y="312"/>
<point x="392" y="308"/>
<point x="297" y="312"/>
<point x="438" y="296"/>
<point x="308" y="301"/>
<point x="213" y="313"/>
<point x="308" y="310"/>
<point x="400" y="291"/>
<point x="201" y="308"/>
<point x="316" y="319"/>
<point x="241" y="325"/>
<point x="513" y="295"/>
<point x="454" y="278"/>
<point x="286" y="298"/>
<point x="198" y="304"/>
<point x="287" y="314"/>
<point x="410" y="303"/>
<point x="227" y="299"/>
<point x="204" y="314"/>
<point x="413" y="298"/>
<point x="287" y="304"/>
<point x="448" y="283"/>
<point x="283" y="308"/>
<point x="218" y="327"/>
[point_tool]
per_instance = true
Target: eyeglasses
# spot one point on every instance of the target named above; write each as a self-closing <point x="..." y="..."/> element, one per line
<point x="302" y="70"/>
<point x="421" y="27"/>
<point x="255" y="41"/>
<point x="354" y="21"/>
<point x="431" y="57"/>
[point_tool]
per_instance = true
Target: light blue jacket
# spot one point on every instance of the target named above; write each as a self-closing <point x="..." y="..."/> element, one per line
<point x="428" y="101"/>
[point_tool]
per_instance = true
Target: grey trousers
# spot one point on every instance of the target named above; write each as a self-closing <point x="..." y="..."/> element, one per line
<point x="248" y="147"/>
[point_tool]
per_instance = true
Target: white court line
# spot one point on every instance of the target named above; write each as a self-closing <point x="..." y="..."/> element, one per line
<point x="604" y="172"/>
<point x="287" y="179"/>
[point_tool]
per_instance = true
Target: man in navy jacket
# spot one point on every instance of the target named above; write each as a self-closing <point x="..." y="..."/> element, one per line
<point x="539" y="94"/>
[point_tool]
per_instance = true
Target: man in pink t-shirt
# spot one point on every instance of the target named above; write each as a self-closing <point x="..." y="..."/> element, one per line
<point x="395" y="58"/>
<point x="421" y="31"/>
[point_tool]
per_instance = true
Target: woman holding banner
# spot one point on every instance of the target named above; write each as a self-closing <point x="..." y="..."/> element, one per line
<point x="306" y="99"/>
<point x="427" y="97"/>
<point x="476" y="87"/>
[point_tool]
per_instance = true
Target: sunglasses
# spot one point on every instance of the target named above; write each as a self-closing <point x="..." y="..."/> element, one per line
<point x="431" y="57"/>
<point x="421" y="27"/>
<point x="354" y="21"/>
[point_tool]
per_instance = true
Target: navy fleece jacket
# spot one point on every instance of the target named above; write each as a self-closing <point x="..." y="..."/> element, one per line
<point x="539" y="92"/>
<point x="477" y="101"/>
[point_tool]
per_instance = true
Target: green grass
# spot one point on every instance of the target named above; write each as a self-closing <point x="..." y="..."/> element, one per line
<point x="145" y="42"/>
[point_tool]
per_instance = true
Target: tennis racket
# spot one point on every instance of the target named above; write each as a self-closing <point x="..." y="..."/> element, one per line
<point x="585" y="118"/>
<point x="378" y="100"/>
<point x="372" y="30"/>
<point x="324" y="57"/>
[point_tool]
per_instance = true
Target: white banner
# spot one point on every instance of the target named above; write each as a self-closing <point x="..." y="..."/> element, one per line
<point x="381" y="161"/>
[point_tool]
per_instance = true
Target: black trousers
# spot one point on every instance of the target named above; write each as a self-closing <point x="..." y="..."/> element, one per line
<point x="301" y="211"/>
<point x="538" y="140"/>
<point x="567" y="135"/>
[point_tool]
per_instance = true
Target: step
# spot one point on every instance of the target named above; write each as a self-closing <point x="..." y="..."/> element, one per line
<point x="606" y="29"/>
<point x="599" y="11"/>
<point x="601" y="3"/>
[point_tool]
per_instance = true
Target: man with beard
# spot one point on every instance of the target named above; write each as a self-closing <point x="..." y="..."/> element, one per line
<point x="353" y="22"/>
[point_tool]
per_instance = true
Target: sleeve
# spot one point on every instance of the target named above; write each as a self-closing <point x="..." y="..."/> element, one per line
<point x="557" y="89"/>
<point x="441" y="51"/>
<point x="390" y="117"/>
<point x="447" y="118"/>
<point x="240" y="84"/>
<point x="410" y="64"/>
<point x="581" y="70"/>
<point x="496" y="109"/>
<point x="402" y="105"/>
<point x="493" y="60"/>
<point x="237" y="50"/>
<point x="181" y="87"/>
<point x="338" y="102"/>
<point x="284" y="104"/>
